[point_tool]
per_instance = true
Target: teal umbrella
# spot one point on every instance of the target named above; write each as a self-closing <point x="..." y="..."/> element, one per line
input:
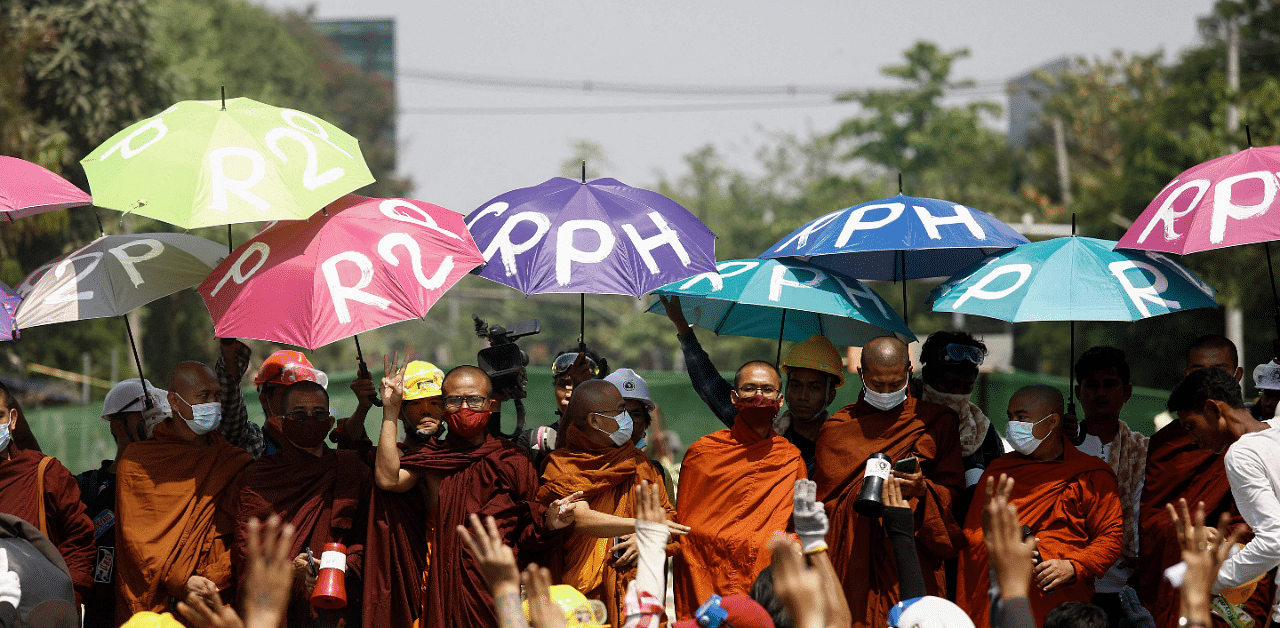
<point x="783" y="299"/>
<point x="1073" y="279"/>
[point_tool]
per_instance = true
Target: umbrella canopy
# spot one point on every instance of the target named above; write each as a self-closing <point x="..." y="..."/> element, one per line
<point x="903" y="237"/>
<point x="9" y="301"/>
<point x="27" y="189"/>
<point x="601" y="237"/>
<point x="205" y="162"/>
<point x="367" y="263"/>
<point x="1219" y="203"/>
<point x="1073" y="279"/>
<point x="114" y="275"/>
<point x="783" y="299"/>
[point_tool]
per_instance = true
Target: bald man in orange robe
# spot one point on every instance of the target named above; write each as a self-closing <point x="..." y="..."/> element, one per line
<point x="886" y="420"/>
<point x="1177" y="468"/>
<point x="599" y="460"/>
<point x="738" y="487"/>
<point x="1069" y="500"/>
<point x="175" y="501"/>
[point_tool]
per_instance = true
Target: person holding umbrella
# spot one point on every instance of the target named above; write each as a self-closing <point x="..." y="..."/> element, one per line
<point x="922" y="439"/>
<point x="174" y="500"/>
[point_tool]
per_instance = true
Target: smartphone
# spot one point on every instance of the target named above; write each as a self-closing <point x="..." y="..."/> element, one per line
<point x="617" y="553"/>
<point x="907" y="465"/>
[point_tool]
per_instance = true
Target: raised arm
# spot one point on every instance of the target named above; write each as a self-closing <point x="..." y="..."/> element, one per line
<point x="233" y="361"/>
<point x="713" y="389"/>
<point x="387" y="473"/>
<point x="602" y="525"/>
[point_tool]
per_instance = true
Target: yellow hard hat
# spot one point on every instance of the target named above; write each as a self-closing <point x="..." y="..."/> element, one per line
<point x="148" y="619"/>
<point x="578" y="610"/>
<point x="422" y="380"/>
<point x="819" y="354"/>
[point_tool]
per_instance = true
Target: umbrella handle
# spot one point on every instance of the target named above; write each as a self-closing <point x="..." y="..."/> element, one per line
<point x="364" y="372"/>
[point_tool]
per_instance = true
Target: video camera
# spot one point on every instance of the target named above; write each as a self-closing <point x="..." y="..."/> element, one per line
<point x="503" y="360"/>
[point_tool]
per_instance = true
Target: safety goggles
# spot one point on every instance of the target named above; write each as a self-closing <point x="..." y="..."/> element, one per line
<point x="711" y="614"/>
<point x="963" y="353"/>
<point x="293" y="373"/>
<point x="565" y="362"/>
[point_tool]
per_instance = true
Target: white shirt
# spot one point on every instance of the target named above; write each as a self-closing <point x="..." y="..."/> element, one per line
<point x="1115" y="578"/>
<point x="1253" y="469"/>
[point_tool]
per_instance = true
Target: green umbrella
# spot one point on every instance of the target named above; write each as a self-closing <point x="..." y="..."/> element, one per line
<point x="201" y="163"/>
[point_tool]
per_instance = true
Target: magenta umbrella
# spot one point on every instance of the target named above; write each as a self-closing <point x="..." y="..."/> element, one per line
<point x="1220" y="203"/>
<point x="365" y="263"/>
<point x="27" y="189"/>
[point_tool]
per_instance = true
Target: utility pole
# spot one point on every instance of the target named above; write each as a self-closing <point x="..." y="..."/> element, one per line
<point x="1234" y="316"/>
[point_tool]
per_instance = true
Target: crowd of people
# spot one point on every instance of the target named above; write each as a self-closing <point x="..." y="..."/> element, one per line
<point x="905" y="508"/>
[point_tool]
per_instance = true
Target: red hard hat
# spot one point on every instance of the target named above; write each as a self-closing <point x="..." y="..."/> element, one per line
<point x="289" y="367"/>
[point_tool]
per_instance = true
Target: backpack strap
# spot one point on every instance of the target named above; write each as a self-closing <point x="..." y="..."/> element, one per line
<point x="40" y="469"/>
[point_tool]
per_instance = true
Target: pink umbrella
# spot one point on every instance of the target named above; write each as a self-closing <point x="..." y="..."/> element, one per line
<point x="365" y="263"/>
<point x="27" y="189"/>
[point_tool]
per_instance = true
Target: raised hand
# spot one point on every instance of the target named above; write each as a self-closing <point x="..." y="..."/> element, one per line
<point x="496" y="559"/>
<point x="891" y="494"/>
<point x="1204" y="549"/>
<point x="543" y="613"/>
<point x="797" y="585"/>
<point x="1011" y="557"/>
<point x="809" y="516"/>
<point x="649" y="504"/>
<point x="268" y="572"/>
<point x="561" y="513"/>
<point x="393" y="379"/>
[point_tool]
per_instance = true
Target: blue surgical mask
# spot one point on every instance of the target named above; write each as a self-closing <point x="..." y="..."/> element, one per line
<point x="625" y="425"/>
<point x="205" y="417"/>
<point x="4" y="437"/>
<point x="1022" y="439"/>
<point x="642" y="443"/>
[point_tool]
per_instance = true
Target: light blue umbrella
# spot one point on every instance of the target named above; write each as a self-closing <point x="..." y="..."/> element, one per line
<point x="783" y="299"/>
<point x="1073" y="279"/>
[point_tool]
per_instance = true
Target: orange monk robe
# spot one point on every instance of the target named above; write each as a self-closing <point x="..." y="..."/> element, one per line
<point x="738" y="490"/>
<point x="859" y="546"/>
<point x="1176" y="468"/>
<point x="175" y="509"/>
<point x="68" y="527"/>
<point x="607" y="476"/>
<point x="1072" y="505"/>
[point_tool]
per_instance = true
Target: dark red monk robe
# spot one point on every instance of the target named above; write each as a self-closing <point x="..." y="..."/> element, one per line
<point x="859" y="546"/>
<point x="395" y="556"/>
<point x="327" y="501"/>
<point x="69" y="528"/>
<point x="1178" y="468"/>
<point x="496" y="479"/>
<point x="175" y="503"/>
<point x="1072" y="505"/>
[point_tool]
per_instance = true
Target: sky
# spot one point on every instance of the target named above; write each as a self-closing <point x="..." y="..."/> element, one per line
<point x="463" y="144"/>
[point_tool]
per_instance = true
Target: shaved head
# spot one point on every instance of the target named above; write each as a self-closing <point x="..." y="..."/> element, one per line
<point x="466" y="374"/>
<point x="1046" y="398"/>
<point x="593" y="395"/>
<point x="188" y="374"/>
<point x="886" y="352"/>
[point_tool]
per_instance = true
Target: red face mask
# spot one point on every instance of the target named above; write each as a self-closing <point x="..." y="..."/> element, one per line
<point x="467" y="423"/>
<point x="307" y="434"/>
<point x="757" y="411"/>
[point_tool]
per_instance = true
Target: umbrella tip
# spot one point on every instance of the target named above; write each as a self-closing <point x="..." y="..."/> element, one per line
<point x="224" y="97"/>
<point x="899" y="182"/>
<point x="1073" y="224"/>
<point x="1248" y="137"/>
<point x="584" y="172"/>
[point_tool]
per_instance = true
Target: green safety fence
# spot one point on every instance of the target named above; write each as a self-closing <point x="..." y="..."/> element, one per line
<point x="77" y="436"/>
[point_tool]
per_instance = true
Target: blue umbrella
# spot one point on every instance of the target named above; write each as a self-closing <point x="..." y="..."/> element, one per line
<point x="783" y="299"/>
<point x="601" y="237"/>
<point x="898" y="238"/>
<point x="1073" y="279"/>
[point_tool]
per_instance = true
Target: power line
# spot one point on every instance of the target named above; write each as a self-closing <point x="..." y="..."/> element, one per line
<point x="662" y="89"/>
<point x="605" y="109"/>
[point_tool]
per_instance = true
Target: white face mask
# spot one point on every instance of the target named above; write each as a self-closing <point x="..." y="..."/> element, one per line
<point x="1020" y="436"/>
<point x="884" y="401"/>
<point x="5" y="437"/>
<point x="205" y="417"/>
<point x="625" y="425"/>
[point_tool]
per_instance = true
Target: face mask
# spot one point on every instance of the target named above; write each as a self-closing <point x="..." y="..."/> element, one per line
<point x="417" y="434"/>
<point x="4" y="438"/>
<point x="205" y="417"/>
<point x="307" y="434"/>
<point x="641" y="444"/>
<point x="757" y="411"/>
<point x="884" y="401"/>
<point x="1020" y="437"/>
<point x="467" y="423"/>
<point x="625" y="425"/>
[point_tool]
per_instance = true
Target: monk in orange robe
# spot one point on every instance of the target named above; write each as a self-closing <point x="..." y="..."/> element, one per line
<point x="886" y="420"/>
<point x="738" y="487"/>
<point x="1069" y="500"/>
<point x="175" y="501"/>
<point x="1177" y="468"/>
<point x="58" y="512"/>
<point x="598" y="460"/>
<point x="324" y="493"/>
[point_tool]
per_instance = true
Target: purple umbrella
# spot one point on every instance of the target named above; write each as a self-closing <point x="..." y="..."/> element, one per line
<point x="27" y="189"/>
<point x="8" y="306"/>
<point x="601" y="237"/>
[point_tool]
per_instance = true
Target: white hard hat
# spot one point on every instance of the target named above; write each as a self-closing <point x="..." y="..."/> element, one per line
<point x="126" y="396"/>
<point x="631" y="386"/>
<point x="1267" y="376"/>
<point x="928" y="612"/>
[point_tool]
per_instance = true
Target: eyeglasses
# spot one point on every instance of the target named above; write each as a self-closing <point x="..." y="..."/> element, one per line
<point x="565" y="362"/>
<point x="963" y="353"/>
<point x="303" y="415"/>
<point x="752" y="389"/>
<point x="475" y="402"/>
